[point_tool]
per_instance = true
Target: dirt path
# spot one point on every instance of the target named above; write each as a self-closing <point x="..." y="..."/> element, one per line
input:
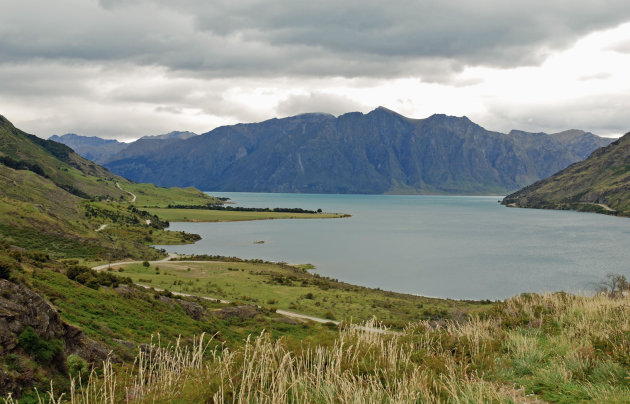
<point x="133" y="196"/>
<point x="285" y="313"/>
<point x="601" y="205"/>
<point x="606" y="207"/>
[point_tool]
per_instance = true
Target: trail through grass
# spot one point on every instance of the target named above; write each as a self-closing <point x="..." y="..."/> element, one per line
<point x="286" y="287"/>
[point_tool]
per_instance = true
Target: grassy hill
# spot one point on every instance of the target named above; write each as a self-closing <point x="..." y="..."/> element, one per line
<point x="53" y="200"/>
<point x="601" y="183"/>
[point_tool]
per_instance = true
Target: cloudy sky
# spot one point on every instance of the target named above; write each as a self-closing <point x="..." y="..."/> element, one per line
<point x="127" y="68"/>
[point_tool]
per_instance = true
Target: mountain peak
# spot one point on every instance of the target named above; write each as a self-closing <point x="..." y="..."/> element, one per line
<point x="444" y="116"/>
<point x="314" y="114"/>
<point x="570" y="132"/>
<point x="171" y="135"/>
<point x="387" y="111"/>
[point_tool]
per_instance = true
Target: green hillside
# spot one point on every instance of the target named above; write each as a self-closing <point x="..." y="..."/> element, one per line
<point x="53" y="200"/>
<point x="601" y="183"/>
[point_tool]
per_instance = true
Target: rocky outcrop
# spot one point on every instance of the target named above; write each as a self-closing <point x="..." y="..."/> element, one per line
<point x="21" y="307"/>
<point x="192" y="309"/>
<point x="238" y="311"/>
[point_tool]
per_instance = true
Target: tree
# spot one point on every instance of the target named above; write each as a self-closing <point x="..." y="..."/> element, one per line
<point x="614" y="286"/>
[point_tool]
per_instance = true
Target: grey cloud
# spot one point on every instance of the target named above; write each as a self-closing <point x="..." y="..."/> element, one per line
<point x="604" y="115"/>
<point x="621" y="47"/>
<point x="121" y="101"/>
<point x="226" y="38"/>
<point x="317" y="102"/>
<point x="490" y="32"/>
<point x="169" y="109"/>
<point x="596" y="76"/>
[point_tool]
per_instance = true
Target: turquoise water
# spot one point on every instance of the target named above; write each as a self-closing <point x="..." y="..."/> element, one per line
<point x="442" y="246"/>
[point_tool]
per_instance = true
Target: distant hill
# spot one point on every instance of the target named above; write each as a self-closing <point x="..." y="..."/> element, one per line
<point x="91" y="147"/>
<point x="601" y="183"/>
<point x="379" y="152"/>
<point x="102" y="150"/>
<point x="171" y="135"/>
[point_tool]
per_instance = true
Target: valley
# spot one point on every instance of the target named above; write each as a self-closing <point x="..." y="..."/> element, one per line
<point x="61" y="320"/>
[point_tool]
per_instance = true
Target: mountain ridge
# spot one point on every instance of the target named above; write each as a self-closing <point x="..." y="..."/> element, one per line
<point x="378" y="152"/>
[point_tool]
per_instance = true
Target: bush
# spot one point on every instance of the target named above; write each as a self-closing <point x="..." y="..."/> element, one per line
<point x="614" y="286"/>
<point x="77" y="366"/>
<point x="74" y="271"/>
<point x="6" y="266"/>
<point x="43" y="350"/>
<point x="92" y="279"/>
<point x="145" y="264"/>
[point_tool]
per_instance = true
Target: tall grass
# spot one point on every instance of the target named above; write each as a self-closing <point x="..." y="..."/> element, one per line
<point x="558" y="347"/>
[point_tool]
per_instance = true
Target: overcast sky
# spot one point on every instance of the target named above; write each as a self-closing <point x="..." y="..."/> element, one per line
<point x="128" y="68"/>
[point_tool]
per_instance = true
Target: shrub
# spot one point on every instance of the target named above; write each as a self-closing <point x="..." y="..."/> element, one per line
<point x="77" y="366"/>
<point x="614" y="286"/>
<point x="145" y="264"/>
<point x="92" y="279"/>
<point x="74" y="271"/>
<point x="6" y="265"/>
<point x="43" y="350"/>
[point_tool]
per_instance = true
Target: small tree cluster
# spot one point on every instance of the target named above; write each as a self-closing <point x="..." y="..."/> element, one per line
<point x="615" y="286"/>
<point x="93" y="279"/>
<point x="43" y="350"/>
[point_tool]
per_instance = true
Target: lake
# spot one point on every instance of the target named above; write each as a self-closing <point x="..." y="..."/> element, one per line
<point x="443" y="246"/>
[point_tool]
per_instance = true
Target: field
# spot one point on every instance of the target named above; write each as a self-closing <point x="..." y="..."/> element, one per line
<point x="285" y="287"/>
<point x="149" y="195"/>
<point x="204" y="215"/>
<point x="110" y="315"/>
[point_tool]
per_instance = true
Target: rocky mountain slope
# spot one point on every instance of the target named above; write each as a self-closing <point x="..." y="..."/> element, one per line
<point x="176" y="134"/>
<point x="92" y="148"/>
<point x="379" y="152"/>
<point x="102" y="150"/>
<point x="600" y="183"/>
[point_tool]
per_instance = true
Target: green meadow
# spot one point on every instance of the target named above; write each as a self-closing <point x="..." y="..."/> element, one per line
<point x="281" y="286"/>
<point x="207" y="215"/>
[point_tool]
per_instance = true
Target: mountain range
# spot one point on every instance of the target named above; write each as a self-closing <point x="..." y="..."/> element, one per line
<point x="374" y="153"/>
<point x="101" y="150"/>
<point x="601" y="183"/>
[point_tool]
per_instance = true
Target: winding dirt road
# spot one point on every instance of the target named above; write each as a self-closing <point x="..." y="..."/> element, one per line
<point x="133" y="196"/>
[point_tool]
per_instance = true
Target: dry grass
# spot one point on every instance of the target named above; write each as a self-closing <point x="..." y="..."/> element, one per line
<point x="557" y="346"/>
